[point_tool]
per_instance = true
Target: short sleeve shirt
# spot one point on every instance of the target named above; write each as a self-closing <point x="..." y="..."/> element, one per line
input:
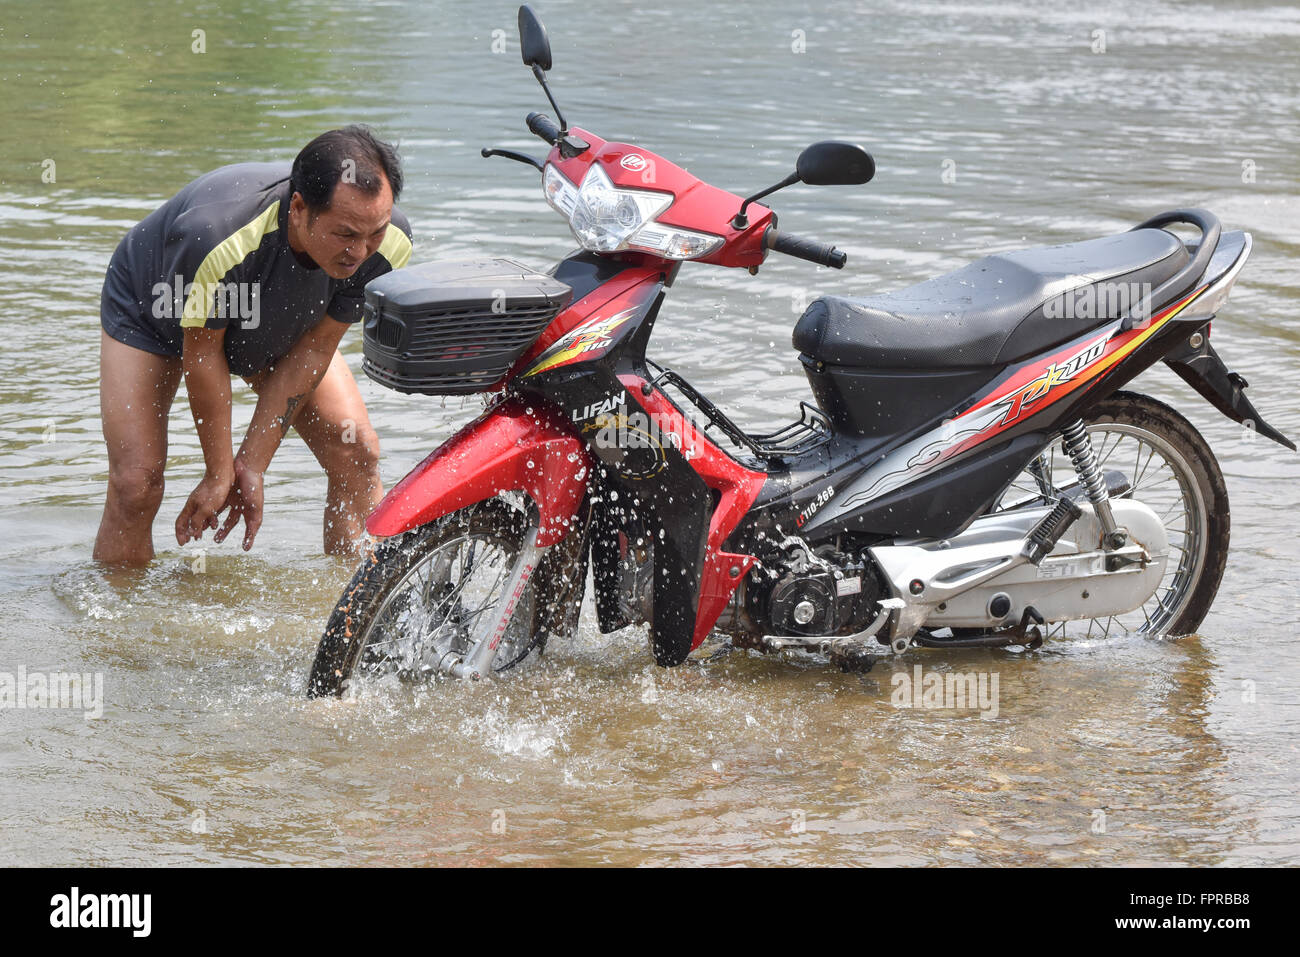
<point x="217" y="255"/>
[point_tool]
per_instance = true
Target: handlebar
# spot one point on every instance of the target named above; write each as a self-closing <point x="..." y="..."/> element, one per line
<point x="823" y="254"/>
<point x="541" y="125"/>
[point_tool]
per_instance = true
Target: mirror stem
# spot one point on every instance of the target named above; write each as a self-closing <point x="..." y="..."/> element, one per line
<point x="740" y="220"/>
<point x="541" y="78"/>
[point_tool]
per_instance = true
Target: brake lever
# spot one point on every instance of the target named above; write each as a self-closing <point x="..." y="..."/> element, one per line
<point x="517" y="157"/>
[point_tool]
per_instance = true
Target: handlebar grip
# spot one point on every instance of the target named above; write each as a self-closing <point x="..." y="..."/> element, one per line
<point x="541" y="125"/>
<point x="823" y="254"/>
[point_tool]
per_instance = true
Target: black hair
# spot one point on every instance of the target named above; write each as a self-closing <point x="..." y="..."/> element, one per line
<point x="352" y="154"/>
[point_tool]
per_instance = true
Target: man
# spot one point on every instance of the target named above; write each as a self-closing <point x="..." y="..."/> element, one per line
<point x="255" y="269"/>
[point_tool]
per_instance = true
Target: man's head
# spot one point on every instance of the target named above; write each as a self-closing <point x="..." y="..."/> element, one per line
<point x="344" y="183"/>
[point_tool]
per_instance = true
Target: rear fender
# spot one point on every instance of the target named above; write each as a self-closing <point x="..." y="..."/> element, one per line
<point x="511" y="447"/>
<point x="1201" y="368"/>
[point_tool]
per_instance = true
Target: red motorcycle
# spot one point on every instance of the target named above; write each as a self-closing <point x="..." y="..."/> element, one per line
<point x="972" y="474"/>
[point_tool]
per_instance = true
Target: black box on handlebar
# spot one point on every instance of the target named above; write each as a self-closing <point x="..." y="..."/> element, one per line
<point x="455" y="328"/>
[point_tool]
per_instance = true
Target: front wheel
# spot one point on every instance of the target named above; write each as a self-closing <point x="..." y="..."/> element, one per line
<point x="417" y="600"/>
<point x="1171" y="469"/>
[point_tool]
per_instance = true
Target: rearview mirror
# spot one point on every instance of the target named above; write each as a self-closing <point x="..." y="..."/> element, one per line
<point x="534" y="45"/>
<point x="833" y="163"/>
<point x="828" y="163"/>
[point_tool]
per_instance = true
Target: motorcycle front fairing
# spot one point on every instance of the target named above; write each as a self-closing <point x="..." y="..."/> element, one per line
<point x="588" y="365"/>
<point x="656" y="469"/>
<point x="515" y="446"/>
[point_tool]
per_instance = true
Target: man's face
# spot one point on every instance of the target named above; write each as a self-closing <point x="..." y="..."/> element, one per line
<point x="347" y="234"/>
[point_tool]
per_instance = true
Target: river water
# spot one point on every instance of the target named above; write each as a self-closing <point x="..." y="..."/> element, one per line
<point x="993" y="126"/>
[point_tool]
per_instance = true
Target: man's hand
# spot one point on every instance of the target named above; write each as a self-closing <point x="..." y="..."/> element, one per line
<point x="203" y="506"/>
<point x="244" y="501"/>
<point x="207" y="379"/>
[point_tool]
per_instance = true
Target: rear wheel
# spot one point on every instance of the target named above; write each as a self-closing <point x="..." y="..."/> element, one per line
<point x="420" y="597"/>
<point x="1171" y="470"/>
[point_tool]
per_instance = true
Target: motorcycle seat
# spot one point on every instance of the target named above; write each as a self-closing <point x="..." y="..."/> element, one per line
<point x="999" y="309"/>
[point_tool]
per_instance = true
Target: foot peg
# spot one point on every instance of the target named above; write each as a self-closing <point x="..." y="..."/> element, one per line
<point x="1042" y="538"/>
<point x="852" y="656"/>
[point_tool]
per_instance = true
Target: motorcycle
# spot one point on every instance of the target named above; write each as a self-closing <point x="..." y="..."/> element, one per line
<point x="973" y="472"/>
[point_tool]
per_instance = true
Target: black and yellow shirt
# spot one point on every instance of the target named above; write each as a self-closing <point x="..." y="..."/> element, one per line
<point x="217" y="255"/>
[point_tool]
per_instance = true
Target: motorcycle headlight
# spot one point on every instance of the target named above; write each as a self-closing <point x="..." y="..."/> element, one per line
<point x="605" y="218"/>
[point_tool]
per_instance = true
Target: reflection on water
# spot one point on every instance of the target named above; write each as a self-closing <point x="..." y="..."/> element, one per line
<point x="1122" y="750"/>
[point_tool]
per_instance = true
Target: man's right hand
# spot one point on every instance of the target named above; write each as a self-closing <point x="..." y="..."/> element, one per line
<point x="203" y="506"/>
<point x="244" y="501"/>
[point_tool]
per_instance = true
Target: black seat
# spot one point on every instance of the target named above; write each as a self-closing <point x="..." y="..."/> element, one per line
<point x="999" y="309"/>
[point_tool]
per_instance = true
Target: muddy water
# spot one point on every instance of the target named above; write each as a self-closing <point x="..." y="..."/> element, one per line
<point x="1116" y="750"/>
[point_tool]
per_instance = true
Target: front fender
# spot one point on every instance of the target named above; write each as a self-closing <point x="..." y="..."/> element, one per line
<point x="510" y="447"/>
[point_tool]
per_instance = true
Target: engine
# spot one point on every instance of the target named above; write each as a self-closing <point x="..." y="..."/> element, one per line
<point x="823" y="593"/>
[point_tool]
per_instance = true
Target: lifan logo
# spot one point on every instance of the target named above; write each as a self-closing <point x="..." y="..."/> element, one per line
<point x="596" y="408"/>
<point x="633" y="161"/>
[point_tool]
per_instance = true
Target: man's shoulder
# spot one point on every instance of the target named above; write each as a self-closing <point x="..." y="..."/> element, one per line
<point x="243" y="178"/>
<point x="226" y="199"/>
<point x="401" y="221"/>
<point x="396" y="247"/>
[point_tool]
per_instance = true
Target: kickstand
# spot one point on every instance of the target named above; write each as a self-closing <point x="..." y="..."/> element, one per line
<point x="1028" y="628"/>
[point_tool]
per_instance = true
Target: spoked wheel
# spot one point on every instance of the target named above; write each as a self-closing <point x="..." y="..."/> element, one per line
<point x="1172" y="471"/>
<point x="421" y="597"/>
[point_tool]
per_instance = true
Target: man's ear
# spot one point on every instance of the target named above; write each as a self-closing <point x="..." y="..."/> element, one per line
<point x="299" y="209"/>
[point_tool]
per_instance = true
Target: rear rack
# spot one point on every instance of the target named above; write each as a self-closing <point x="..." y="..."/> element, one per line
<point x="810" y="430"/>
<point x="1185" y="280"/>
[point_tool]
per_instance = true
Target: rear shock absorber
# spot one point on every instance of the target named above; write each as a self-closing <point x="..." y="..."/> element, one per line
<point x="1078" y="446"/>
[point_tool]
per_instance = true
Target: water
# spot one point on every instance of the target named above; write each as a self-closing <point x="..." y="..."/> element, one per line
<point x="1115" y="751"/>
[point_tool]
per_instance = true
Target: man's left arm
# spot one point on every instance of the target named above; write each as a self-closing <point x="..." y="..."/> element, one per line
<point x="286" y="389"/>
<point x="280" y="399"/>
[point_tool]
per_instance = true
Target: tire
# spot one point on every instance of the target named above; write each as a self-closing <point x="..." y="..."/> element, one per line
<point x="1194" y="581"/>
<point x="371" y="626"/>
